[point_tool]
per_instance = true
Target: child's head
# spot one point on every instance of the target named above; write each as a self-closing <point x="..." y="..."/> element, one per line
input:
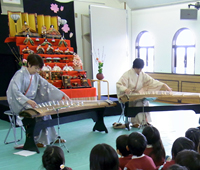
<point x="137" y="143"/>
<point x="121" y="143"/>
<point x="103" y="157"/>
<point x="53" y="158"/>
<point x="180" y="144"/>
<point x="35" y="60"/>
<point x="176" y="167"/>
<point x="188" y="158"/>
<point x="152" y="134"/>
<point x="153" y="138"/>
<point x="194" y="135"/>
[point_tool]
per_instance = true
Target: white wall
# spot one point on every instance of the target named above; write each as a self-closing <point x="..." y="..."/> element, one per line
<point x="109" y="35"/>
<point x="82" y="8"/>
<point x="163" y="22"/>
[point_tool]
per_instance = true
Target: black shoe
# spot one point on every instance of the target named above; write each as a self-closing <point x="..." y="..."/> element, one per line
<point x="127" y="126"/>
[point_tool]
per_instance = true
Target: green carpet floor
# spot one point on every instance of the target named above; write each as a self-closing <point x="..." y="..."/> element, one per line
<point x="81" y="139"/>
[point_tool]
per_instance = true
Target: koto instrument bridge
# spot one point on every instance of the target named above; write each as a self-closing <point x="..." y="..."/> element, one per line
<point x="54" y="107"/>
<point x="159" y="95"/>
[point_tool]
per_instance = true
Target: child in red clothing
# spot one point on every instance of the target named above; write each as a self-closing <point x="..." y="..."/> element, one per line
<point x="121" y="143"/>
<point x="179" y="144"/>
<point x="104" y="157"/>
<point x="137" y="144"/>
<point x="154" y="147"/>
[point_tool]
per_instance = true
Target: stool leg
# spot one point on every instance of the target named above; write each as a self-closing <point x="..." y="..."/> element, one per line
<point x="13" y="127"/>
<point x="14" y="130"/>
<point x="12" y="122"/>
<point x="5" y="141"/>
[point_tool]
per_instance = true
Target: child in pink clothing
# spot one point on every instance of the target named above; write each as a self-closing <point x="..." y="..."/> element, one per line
<point x="121" y="143"/>
<point x="136" y="145"/>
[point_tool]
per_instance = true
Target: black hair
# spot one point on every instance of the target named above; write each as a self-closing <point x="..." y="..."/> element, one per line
<point x="153" y="138"/>
<point x="188" y="158"/>
<point x="103" y="157"/>
<point x="194" y="135"/>
<point x="180" y="144"/>
<point x="176" y="167"/>
<point x="35" y="60"/>
<point x="53" y="157"/>
<point x="137" y="143"/>
<point x="121" y="143"/>
<point x="138" y="63"/>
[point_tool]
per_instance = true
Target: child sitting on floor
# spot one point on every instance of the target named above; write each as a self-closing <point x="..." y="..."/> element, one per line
<point x="179" y="144"/>
<point x="189" y="159"/>
<point x="104" y="157"/>
<point x="154" y="147"/>
<point x="121" y="143"/>
<point x="137" y="144"/>
<point x="194" y="135"/>
<point x="54" y="159"/>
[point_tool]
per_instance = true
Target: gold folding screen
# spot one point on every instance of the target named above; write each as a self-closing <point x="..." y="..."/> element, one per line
<point x="36" y="22"/>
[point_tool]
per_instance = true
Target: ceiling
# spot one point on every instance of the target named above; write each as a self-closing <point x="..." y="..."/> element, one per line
<point x="141" y="4"/>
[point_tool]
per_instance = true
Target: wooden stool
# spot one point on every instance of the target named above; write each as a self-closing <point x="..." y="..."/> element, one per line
<point x="12" y="120"/>
<point x="99" y="87"/>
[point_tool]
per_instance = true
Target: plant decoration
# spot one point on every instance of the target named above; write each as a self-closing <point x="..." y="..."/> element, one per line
<point x="99" y="59"/>
<point x="100" y="66"/>
<point x="22" y="62"/>
<point x="28" y="40"/>
<point x="77" y="61"/>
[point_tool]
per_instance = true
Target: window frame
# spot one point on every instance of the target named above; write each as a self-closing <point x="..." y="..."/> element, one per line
<point x="137" y="48"/>
<point x="174" y="52"/>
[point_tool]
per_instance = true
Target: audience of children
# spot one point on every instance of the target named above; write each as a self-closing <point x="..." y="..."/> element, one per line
<point x="125" y="156"/>
<point x="54" y="159"/>
<point x="154" y="147"/>
<point x="143" y="151"/>
<point x="103" y="157"/>
<point x="136" y="145"/>
<point x="189" y="159"/>
<point x="194" y="135"/>
<point x="179" y="144"/>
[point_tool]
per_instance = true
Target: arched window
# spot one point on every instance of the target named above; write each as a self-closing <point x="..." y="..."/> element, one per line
<point x="145" y="50"/>
<point x="183" y="48"/>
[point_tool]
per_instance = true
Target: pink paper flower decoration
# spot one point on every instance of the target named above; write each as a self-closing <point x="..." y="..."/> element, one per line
<point x="77" y="61"/>
<point x="54" y="8"/>
<point x="62" y="8"/>
<point x="65" y="28"/>
<point x="24" y="61"/>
